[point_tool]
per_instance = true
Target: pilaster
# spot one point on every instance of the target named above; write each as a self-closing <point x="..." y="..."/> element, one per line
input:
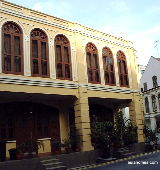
<point x="82" y="120"/>
<point x="137" y="115"/>
<point x="26" y="52"/>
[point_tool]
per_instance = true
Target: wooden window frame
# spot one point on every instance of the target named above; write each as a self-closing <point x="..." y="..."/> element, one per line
<point x="39" y="40"/>
<point x="154" y="80"/>
<point x="123" y="72"/>
<point x="4" y="125"/>
<point x="12" y="34"/>
<point x="92" y="50"/>
<point x="62" y="41"/>
<point x="107" y="53"/>
<point x="40" y="122"/>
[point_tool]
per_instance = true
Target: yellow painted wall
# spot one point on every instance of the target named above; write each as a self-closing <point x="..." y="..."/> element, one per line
<point x="9" y="145"/>
<point x="47" y="146"/>
<point x="78" y="36"/>
<point x="64" y="124"/>
<point x="77" y="40"/>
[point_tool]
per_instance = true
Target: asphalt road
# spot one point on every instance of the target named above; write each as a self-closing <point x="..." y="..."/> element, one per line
<point x="149" y="162"/>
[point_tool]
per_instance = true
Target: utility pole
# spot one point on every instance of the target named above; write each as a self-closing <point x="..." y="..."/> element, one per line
<point x="156" y="47"/>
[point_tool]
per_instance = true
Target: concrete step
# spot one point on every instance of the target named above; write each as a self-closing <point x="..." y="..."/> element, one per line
<point x="53" y="164"/>
<point x="103" y="160"/>
<point x="48" y="160"/>
<point x="124" y="148"/>
<point x="125" y="155"/>
<point x="57" y="168"/>
<point x="47" y="157"/>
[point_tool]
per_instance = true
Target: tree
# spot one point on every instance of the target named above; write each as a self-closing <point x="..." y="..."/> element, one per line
<point x="108" y="136"/>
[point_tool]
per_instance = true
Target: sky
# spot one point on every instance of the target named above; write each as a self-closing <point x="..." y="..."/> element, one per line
<point x="134" y="20"/>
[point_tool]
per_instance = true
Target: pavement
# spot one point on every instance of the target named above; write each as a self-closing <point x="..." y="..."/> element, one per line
<point x="147" y="161"/>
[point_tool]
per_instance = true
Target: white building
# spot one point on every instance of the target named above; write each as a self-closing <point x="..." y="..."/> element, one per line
<point x="141" y="69"/>
<point x="150" y="89"/>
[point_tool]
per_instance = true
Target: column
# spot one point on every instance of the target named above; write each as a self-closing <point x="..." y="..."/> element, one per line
<point x="64" y="124"/>
<point x="52" y="58"/>
<point x="82" y="120"/>
<point x="101" y="66"/>
<point x="116" y="70"/>
<point x="27" y="60"/>
<point x="1" y="44"/>
<point x="137" y="115"/>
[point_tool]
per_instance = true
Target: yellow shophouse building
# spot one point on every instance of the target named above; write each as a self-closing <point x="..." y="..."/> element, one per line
<point x="54" y="72"/>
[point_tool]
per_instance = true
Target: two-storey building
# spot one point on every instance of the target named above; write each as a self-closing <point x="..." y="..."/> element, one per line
<point x="150" y="83"/>
<point x="54" y="73"/>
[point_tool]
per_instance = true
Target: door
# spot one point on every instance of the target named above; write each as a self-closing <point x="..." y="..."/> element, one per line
<point x="55" y="133"/>
<point x="25" y="129"/>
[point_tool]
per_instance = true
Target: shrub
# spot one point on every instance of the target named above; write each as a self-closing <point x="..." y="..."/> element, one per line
<point x="106" y="135"/>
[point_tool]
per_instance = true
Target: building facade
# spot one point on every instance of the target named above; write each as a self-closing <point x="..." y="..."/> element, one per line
<point x="54" y="73"/>
<point x="150" y="82"/>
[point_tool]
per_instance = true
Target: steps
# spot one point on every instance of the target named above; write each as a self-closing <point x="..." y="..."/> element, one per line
<point x="125" y="152"/>
<point x="104" y="160"/>
<point x="51" y="163"/>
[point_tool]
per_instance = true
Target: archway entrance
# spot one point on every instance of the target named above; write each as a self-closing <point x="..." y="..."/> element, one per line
<point x="100" y="112"/>
<point x="22" y="121"/>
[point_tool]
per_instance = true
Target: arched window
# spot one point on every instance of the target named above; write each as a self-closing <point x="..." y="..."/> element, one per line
<point x="92" y="63"/>
<point x="154" y="80"/>
<point x="108" y="65"/>
<point x="122" y="69"/>
<point x="147" y="105"/>
<point x="154" y="104"/>
<point x="12" y="48"/>
<point x="39" y="53"/>
<point x="63" y="57"/>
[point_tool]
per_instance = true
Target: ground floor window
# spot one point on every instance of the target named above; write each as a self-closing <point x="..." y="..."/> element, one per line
<point x="24" y="121"/>
<point x="7" y="129"/>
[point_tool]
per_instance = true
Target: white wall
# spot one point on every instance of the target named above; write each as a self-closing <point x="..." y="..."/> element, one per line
<point x="152" y="69"/>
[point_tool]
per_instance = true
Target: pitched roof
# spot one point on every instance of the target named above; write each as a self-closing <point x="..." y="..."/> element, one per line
<point x="156" y="58"/>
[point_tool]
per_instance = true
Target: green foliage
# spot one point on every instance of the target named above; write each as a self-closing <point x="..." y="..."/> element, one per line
<point x="30" y="146"/>
<point x="150" y="139"/>
<point x="66" y="143"/>
<point x="74" y="138"/>
<point x="126" y="130"/>
<point x="130" y="134"/>
<point x="105" y="135"/>
<point x="102" y="136"/>
<point x="101" y="132"/>
<point x="56" y="143"/>
<point x="70" y="143"/>
<point x="150" y="135"/>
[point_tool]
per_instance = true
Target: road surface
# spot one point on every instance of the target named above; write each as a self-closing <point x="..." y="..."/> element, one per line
<point x="149" y="162"/>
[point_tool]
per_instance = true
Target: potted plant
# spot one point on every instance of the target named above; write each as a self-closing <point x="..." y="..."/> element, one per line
<point x="67" y="145"/>
<point x="75" y="139"/>
<point x="29" y="148"/>
<point x="56" y="146"/>
<point x="150" y="139"/>
<point x="13" y="153"/>
<point x="101" y="137"/>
